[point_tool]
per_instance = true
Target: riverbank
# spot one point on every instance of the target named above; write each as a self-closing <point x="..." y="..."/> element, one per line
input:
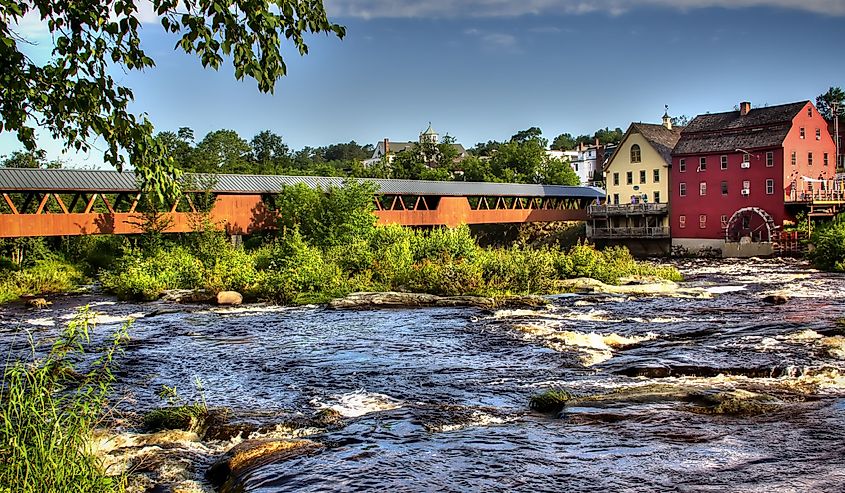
<point x="293" y="270"/>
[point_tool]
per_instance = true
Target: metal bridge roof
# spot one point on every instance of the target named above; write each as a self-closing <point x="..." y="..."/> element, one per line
<point x="65" y="180"/>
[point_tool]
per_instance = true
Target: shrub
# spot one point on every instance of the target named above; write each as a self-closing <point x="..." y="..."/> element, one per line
<point x="441" y="242"/>
<point x="139" y="277"/>
<point x="43" y="277"/>
<point x="446" y="277"/>
<point x="47" y="418"/>
<point x="829" y="242"/>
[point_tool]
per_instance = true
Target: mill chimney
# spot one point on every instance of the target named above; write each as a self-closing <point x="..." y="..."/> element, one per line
<point x="744" y="108"/>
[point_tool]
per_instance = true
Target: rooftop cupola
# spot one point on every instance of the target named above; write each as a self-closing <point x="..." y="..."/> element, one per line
<point x="667" y="120"/>
<point x="429" y="135"/>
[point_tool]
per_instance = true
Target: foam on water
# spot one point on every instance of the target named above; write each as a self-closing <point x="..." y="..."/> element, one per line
<point x="359" y="403"/>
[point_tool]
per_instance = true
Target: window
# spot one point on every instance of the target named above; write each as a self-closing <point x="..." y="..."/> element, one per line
<point x="794" y="158"/>
<point x="702" y="164"/>
<point x="825" y="160"/>
<point x="702" y="221"/>
<point x="809" y="159"/>
<point x="656" y="175"/>
<point x="818" y="134"/>
<point x="635" y="153"/>
<point x="724" y="162"/>
<point x="616" y="179"/>
<point x="810" y="112"/>
<point x="629" y="178"/>
<point x="615" y="199"/>
<point x="682" y="221"/>
<point x="746" y="185"/>
<point x="642" y="176"/>
<point x="802" y="133"/>
<point x="746" y="158"/>
<point x="770" y="187"/>
<point x="770" y="159"/>
<point x="724" y="188"/>
<point x="723" y="221"/>
<point x="702" y="188"/>
<point x="576" y="167"/>
<point x="746" y="222"/>
<point x="656" y="197"/>
<point x="682" y="189"/>
<point x="682" y="165"/>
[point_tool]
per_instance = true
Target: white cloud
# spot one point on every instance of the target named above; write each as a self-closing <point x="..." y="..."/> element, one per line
<point x="495" y="40"/>
<point x="369" y="9"/>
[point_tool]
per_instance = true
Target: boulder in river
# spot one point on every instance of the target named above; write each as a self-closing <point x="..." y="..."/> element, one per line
<point x="254" y="453"/>
<point x="38" y="303"/>
<point x="229" y="298"/>
<point x="187" y="296"/>
<point x="776" y="298"/>
<point x="654" y="287"/>
<point x="393" y="299"/>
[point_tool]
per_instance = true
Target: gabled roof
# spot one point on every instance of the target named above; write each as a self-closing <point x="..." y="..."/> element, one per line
<point x="662" y="139"/>
<point x="726" y="132"/>
<point x="394" y="146"/>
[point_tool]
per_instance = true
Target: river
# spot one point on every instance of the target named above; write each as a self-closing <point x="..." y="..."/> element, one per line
<point x="438" y="399"/>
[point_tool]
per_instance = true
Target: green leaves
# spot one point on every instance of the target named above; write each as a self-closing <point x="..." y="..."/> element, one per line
<point x="74" y="98"/>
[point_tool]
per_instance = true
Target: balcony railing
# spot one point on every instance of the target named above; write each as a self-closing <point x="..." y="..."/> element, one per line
<point x="643" y="232"/>
<point x="816" y="196"/>
<point x="628" y="209"/>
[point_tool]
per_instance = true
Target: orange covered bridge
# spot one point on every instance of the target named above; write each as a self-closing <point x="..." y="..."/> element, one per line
<point x="68" y="202"/>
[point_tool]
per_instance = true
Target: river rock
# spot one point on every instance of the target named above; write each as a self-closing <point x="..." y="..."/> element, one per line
<point x="776" y="298"/>
<point x="650" y="287"/>
<point x="229" y="298"/>
<point x="254" y="453"/>
<point x="187" y="296"/>
<point x="393" y="299"/>
<point x="38" y="303"/>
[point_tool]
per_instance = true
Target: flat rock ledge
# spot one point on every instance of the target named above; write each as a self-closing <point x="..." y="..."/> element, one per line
<point x="250" y="454"/>
<point x="654" y="287"/>
<point x="393" y="299"/>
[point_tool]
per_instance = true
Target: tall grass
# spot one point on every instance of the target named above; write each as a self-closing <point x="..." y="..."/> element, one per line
<point x="48" y="410"/>
<point x="43" y="277"/>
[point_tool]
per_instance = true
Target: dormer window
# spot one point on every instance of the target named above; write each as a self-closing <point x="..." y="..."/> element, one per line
<point x="635" y="154"/>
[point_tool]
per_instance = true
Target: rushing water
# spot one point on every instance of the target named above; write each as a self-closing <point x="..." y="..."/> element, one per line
<point x="437" y="399"/>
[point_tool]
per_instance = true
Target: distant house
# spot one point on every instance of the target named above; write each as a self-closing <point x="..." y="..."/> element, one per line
<point x="588" y="160"/>
<point x="637" y="184"/>
<point x="738" y="177"/>
<point x="392" y="148"/>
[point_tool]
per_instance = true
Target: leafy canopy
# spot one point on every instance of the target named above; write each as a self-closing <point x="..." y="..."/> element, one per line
<point x="74" y="97"/>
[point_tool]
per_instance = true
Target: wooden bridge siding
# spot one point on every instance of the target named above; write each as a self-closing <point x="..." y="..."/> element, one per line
<point x="243" y="214"/>
<point x="454" y="211"/>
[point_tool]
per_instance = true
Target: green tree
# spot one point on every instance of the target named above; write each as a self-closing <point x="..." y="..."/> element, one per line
<point x="532" y="133"/>
<point x="74" y="96"/>
<point x="564" y="142"/>
<point x="177" y="146"/>
<point x="29" y="159"/>
<point x="269" y="153"/>
<point x="834" y="96"/>
<point x="606" y="136"/>
<point x="222" y="151"/>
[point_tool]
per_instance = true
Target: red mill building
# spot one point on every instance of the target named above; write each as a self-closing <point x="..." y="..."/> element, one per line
<point x="736" y="177"/>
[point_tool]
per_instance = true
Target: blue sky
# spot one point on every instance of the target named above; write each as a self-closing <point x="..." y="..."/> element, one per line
<point x="485" y="69"/>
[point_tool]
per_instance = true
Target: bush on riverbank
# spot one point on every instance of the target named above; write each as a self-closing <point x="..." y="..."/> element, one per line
<point x="829" y="242"/>
<point x="48" y="411"/>
<point x="48" y="276"/>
